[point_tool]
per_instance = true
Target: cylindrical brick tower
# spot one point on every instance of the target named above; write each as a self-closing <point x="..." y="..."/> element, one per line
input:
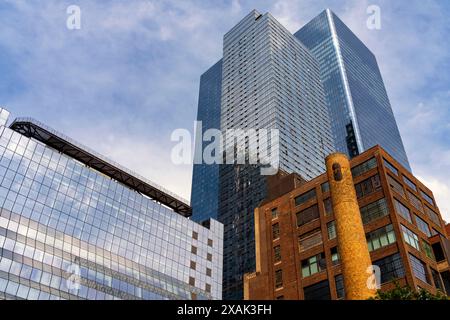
<point x="351" y="238"/>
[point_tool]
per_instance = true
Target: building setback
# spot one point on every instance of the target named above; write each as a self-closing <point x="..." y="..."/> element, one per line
<point x="360" y="110"/>
<point x="74" y="225"/>
<point x="297" y="256"/>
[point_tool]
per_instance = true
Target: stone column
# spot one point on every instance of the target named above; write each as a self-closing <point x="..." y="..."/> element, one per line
<point x="351" y="238"/>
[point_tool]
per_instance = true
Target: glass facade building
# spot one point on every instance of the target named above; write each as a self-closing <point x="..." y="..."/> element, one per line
<point x="205" y="177"/>
<point x="359" y="106"/>
<point x="269" y="81"/>
<point x="71" y="230"/>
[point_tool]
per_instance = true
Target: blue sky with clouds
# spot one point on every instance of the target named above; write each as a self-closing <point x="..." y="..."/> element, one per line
<point x="130" y="76"/>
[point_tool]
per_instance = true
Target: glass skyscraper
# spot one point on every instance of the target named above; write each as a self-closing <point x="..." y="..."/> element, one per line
<point x="206" y="176"/>
<point x="359" y="107"/>
<point x="269" y="81"/>
<point x="74" y="225"/>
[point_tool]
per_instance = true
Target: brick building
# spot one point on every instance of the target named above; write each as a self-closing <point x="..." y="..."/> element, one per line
<point x="297" y="256"/>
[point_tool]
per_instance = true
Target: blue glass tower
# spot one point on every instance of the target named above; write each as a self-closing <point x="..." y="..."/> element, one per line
<point x="356" y="96"/>
<point x="205" y="178"/>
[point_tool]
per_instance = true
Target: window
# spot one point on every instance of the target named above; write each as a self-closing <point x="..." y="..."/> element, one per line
<point x="432" y="215"/>
<point x="325" y="187"/>
<point x="374" y="210"/>
<point x="331" y="228"/>
<point x="328" y="207"/>
<point x="428" y="250"/>
<point x="388" y="165"/>
<point x="364" y="167"/>
<point x="194" y="235"/>
<point x="368" y="186"/>
<point x="423" y="226"/>
<point x="310" y="239"/>
<point x="415" y="201"/>
<point x="419" y="269"/>
<point x="339" y="280"/>
<point x="438" y="253"/>
<point x="410" y="238"/>
<point x="208" y="272"/>
<point x="194" y="249"/>
<point x="278" y="279"/>
<point x="276" y="231"/>
<point x="313" y="265"/>
<point x="208" y="288"/>
<point x="318" y="291"/>
<point x="277" y="253"/>
<point x="397" y="187"/>
<point x="335" y="258"/>
<point x="305" y="197"/>
<point x="380" y="238"/>
<point x="409" y="183"/>
<point x="209" y="256"/>
<point x="307" y="215"/>
<point x="274" y="213"/>
<point x="402" y="210"/>
<point x="427" y="198"/>
<point x="193" y="265"/>
<point x="437" y="280"/>
<point x="191" y="281"/>
<point x="210" y="243"/>
<point x="391" y="267"/>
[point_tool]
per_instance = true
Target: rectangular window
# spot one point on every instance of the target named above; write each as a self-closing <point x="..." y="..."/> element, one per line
<point x="305" y="197"/>
<point x="310" y="239"/>
<point x="278" y="278"/>
<point x="210" y="243"/>
<point x="402" y="210"/>
<point x="339" y="280"/>
<point x="277" y="253"/>
<point x="275" y="231"/>
<point x="410" y="238"/>
<point x="374" y="210"/>
<point x="335" y="258"/>
<point x="380" y="238"/>
<point x="274" y="213"/>
<point x="208" y="272"/>
<point x="437" y="280"/>
<point x="428" y="250"/>
<point x="364" y="167"/>
<point x="415" y="201"/>
<point x="307" y="215"/>
<point x="318" y="291"/>
<point x="409" y="183"/>
<point x="391" y="267"/>
<point x="368" y="186"/>
<point x="419" y="269"/>
<point x="432" y="215"/>
<point x="397" y="187"/>
<point x="331" y="228"/>
<point x="313" y="265"/>
<point x="427" y="198"/>
<point x="423" y="226"/>
<point x="193" y="249"/>
<point x="388" y="165"/>
<point x="328" y="207"/>
<point x="325" y="187"/>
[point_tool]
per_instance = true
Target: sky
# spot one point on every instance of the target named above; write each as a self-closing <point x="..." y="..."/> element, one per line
<point x="124" y="81"/>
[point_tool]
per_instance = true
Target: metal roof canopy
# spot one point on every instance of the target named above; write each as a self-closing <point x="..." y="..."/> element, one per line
<point x="33" y="129"/>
